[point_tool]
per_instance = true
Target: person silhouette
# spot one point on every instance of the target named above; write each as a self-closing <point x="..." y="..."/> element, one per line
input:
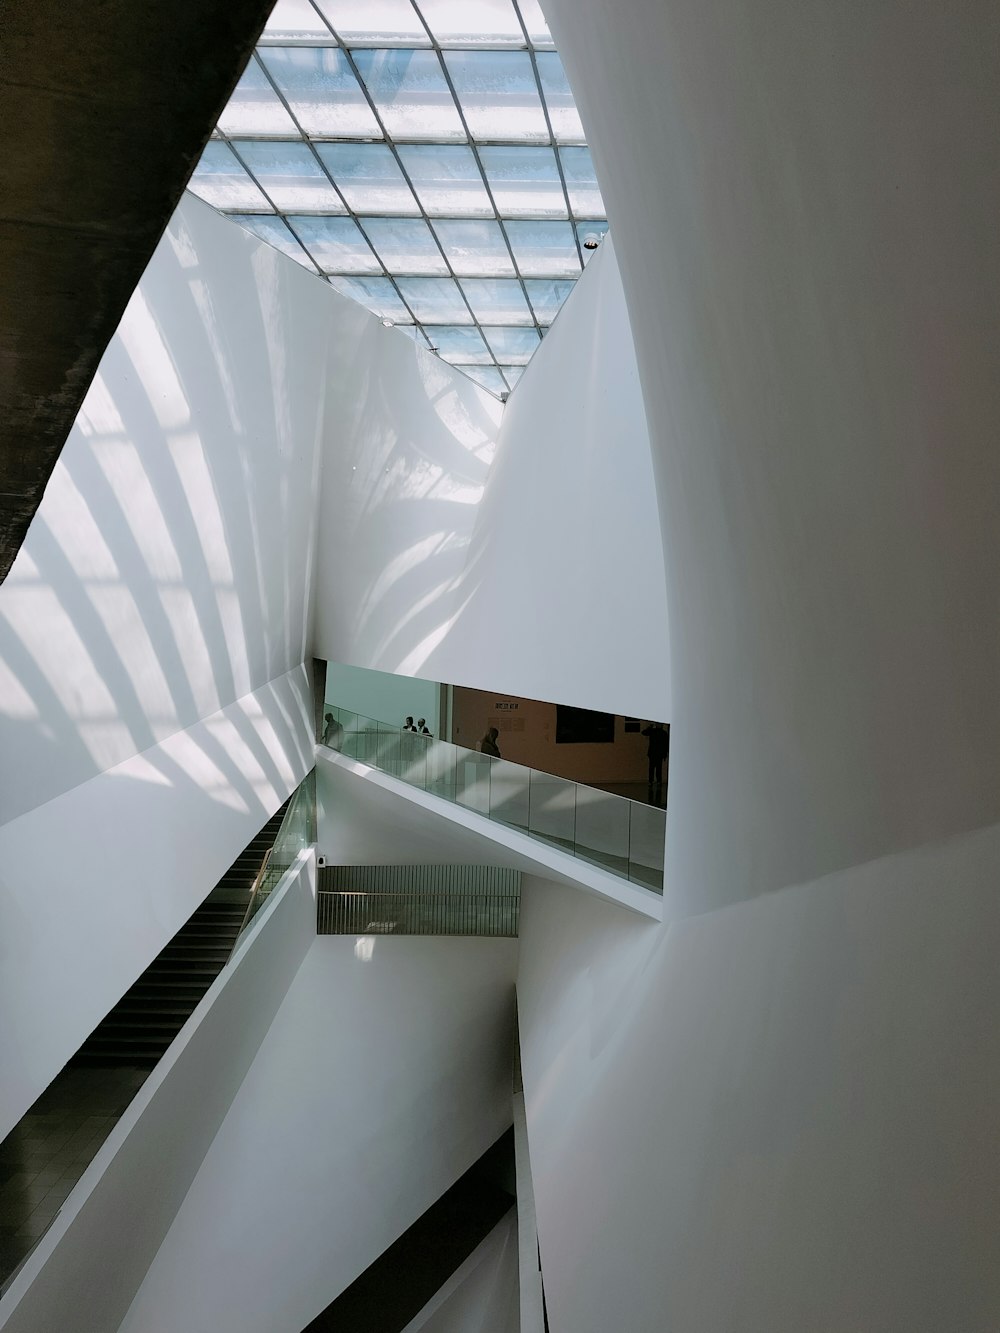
<point x="488" y="745"/>
<point x="331" y="729"/>
<point x="657" y="751"/>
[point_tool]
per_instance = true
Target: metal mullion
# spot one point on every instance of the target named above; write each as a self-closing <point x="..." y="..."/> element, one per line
<point x="333" y="185"/>
<point x="479" y="163"/>
<point x="390" y="144"/>
<point x="277" y="211"/>
<point x="552" y="135"/>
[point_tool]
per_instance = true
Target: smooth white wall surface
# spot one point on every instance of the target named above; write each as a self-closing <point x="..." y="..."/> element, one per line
<point x="407" y="450"/>
<point x="385" y="1075"/>
<point x="778" y="1116"/>
<point x="88" y="1267"/>
<point x="94" y="882"/>
<point x="564" y="596"/>
<point x="804" y="201"/>
<point x="153" y="706"/>
<point x="522" y="556"/>
<point x="167" y="571"/>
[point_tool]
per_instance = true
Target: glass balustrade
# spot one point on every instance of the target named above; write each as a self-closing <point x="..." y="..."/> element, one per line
<point x="296" y="832"/>
<point x="622" y="836"/>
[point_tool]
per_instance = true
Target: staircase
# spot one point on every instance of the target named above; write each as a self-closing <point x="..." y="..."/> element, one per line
<point x="150" y="1014"/>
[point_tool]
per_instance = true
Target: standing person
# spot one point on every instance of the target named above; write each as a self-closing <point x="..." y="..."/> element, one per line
<point x="422" y="728"/>
<point x="488" y="745"/>
<point x="331" y="728"/>
<point x="408" y="724"/>
<point x="659" y="749"/>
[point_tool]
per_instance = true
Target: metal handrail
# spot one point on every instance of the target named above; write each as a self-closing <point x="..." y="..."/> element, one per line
<point x="633" y="853"/>
<point x="248" y="915"/>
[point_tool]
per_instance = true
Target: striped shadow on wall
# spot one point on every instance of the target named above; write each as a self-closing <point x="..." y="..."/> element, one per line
<point x="417" y="900"/>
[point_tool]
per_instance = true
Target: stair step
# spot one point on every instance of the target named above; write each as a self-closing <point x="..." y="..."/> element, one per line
<point x="196" y="952"/>
<point x="145" y="1030"/>
<point x="182" y="1012"/>
<point x="156" y="1006"/>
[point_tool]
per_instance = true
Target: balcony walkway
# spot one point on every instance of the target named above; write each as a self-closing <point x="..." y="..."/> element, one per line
<point x="455" y="832"/>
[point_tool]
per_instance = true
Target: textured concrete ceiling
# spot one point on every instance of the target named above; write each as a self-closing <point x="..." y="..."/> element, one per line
<point x="105" y="107"/>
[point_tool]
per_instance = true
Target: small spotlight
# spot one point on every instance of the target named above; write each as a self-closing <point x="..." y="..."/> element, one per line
<point x="386" y="323"/>
<point x="591" y="241"/>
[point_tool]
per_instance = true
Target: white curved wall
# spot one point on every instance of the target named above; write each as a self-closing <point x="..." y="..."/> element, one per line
<point x="520" y="554"/>
<point x="787" y="1103"/>
<point x="777" y="1116"/>
<point x="804" y="208"/>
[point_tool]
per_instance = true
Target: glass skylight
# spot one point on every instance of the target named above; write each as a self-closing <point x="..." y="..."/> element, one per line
<point x="427" y="157"/>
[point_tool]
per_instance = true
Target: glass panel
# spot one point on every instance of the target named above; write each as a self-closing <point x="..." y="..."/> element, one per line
<point x="472" y="780"/>
<point x="475" y="248"/>
<point x="525" y="181"/>
<point x="543" y="249"/>
<point x="321" y="90"/>
<point x="497" y="300"/>
<point x="534" y="21"/>
<point x="460" y="345"/>
<point x="581" y="183"/>
<point x="602" y="822"/>
<point x="375" y="22"/>
<point x="488" y="376"/>
<point x="547" y="296"/>
<point x="509" y="793"/>
<point x="590" y="231"/>
<point x="498" y="94"/>
<point x="275" y="231"/>
<point x="411" y="94"/>
<point x="512" y="374"/>
<point x="559" y="99"/>
<point x="512" y="346"/>
<point x="442" y="758"/>
<point x="291" y="176"/>
<point x="485" y="23"/>
<point x="295" y="20"/>
<point x="405" y="245"/>
<point x="414" y="754"/>
<point x="376" y="294"/>
<point x="647" y="844"/>
<point x="336" y="244"/>
<point x="222" y="182"/>
<point x="552" y="809"/>
<point x="369" y="177"/>
<point x="446" y="179"/>
<point x="255" y="108"/>
<point x="435" y="300"/>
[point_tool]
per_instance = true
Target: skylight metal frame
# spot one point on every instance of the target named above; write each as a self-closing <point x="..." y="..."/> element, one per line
<point x="424" y="328"/>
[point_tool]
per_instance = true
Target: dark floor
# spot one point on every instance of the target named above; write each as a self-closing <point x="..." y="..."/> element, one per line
<point x="395" y="1288"/>
<point x="635" y="791"/>
<point x="49" y="1150"/>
